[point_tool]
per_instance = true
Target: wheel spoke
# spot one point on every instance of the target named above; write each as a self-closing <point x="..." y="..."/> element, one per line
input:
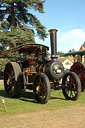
<point x="71" y="94"/>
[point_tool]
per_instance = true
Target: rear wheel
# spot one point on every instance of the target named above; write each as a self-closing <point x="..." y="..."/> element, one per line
<point x="41" y="88"/>
<point x="71" y="86"/>
<point x="11" y="82"/>
<point x="79" y="69"/>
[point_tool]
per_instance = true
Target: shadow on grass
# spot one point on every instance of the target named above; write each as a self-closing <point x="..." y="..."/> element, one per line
<point x="28" y="96"/>
<point x="3" y="93"/>
<point x="24" y="95"/>
<point x="57" y="98"/>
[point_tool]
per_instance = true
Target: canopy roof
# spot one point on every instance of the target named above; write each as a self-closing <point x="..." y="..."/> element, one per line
<point x="28" y="48"/>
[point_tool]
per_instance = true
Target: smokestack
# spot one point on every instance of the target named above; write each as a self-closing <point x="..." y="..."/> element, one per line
<point x="53" y="42"/>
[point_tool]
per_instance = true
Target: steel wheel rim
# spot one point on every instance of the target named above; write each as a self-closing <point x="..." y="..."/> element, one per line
<point x="9" y="80"/>
<point x="40" y="88"/>
<point x="79" y="69"/>
<point x="70" y="87"/>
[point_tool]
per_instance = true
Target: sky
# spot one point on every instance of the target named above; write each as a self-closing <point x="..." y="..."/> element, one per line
<point x="68" y="17"/>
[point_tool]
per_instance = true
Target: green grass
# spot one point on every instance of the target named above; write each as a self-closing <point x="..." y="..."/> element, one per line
<point x="27" y="103"/>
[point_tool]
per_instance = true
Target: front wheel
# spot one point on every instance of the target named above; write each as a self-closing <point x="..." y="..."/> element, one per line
<point x="41" y="88"/>
<point x="71" y="86"/>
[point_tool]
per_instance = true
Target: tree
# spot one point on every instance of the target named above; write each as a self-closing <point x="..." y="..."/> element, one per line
<point x="18" y="35"/>
<point x="72" y="50"/>
<point x="61" y="54"/>
<point x="16" y="19"/>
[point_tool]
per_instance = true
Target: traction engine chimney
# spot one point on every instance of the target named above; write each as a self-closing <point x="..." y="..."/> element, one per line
<point x="53" y="42"/>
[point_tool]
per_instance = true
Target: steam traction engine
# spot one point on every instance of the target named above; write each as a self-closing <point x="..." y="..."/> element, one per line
<point x="38" y="71"/>
<point x="79" y="66"/>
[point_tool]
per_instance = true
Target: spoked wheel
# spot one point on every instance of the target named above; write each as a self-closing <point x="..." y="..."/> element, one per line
<point x="71" y="86"/>
<point x="11" y="83"/>
<point x="41" y="88"/>
<point x="79" y="69"/>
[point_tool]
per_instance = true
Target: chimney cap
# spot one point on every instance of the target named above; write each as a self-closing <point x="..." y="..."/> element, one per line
<point x="52" y="30"/>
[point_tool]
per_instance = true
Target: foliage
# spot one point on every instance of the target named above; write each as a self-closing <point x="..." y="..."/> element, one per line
<point x="67" y="63"/>
<point x="3" y="62"/>
<point x="17" y="24"/>
<point x="61" y="54"/>
<point x="17" y="35"/>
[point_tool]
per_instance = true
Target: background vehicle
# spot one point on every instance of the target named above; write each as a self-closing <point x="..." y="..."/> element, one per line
<point x="79" y="66"/>
<point x="36" y="70"/>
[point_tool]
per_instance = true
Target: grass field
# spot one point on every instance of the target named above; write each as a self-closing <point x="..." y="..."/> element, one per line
<point x="26" y="102"/>
<point x="57" y="113"/>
